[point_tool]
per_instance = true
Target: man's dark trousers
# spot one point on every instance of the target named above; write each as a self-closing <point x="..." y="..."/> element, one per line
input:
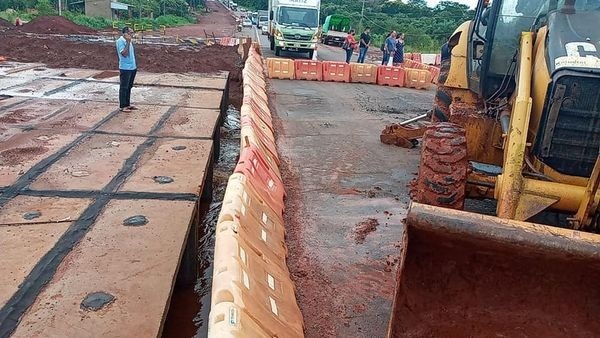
<point x="126" y="77"/>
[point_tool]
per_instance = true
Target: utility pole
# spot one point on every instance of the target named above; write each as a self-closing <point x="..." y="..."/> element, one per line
<point x="362" y="16"/>
<point x="59" y="8"/>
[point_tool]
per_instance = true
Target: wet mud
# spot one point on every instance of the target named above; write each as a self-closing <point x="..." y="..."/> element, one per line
<point x="363" y="229"/>
<point x="451" y="287"/>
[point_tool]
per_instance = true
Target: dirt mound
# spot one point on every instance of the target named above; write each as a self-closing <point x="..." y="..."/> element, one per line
<point x="4" y="23"/>
<point x="55" y="25"/>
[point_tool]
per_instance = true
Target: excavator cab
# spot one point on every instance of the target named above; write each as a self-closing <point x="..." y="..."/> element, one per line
<point x="517" y="125"/>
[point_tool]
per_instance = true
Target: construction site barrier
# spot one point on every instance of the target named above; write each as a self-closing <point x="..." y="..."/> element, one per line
<point x="390" y="76"/>
<point x="438" y="59"/>
<point x="417" y="78"/>
<point x="252" y="292"/>
<point x="416" y="57"/>
<point x="435" y="74"/>
<point x="336" y="71"/>
<point x="309" y="70"/>
<point x="281" y="69"/>
<point x="428" y="59"/>
<point x="363" y="73"/>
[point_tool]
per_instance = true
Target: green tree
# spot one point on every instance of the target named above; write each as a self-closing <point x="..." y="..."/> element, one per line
<point x="44" y="7"/>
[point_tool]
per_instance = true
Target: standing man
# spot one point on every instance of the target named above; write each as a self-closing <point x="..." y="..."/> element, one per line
<point x="365" y="43"/>
<point x="127" y="69"/>
<point x="389" y="48"/>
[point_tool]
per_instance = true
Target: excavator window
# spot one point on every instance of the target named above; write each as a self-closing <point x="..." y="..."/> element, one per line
<point x="495" y="41"/>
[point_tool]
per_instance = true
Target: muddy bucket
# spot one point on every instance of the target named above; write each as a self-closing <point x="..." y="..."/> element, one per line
<point x="469" y="275"/>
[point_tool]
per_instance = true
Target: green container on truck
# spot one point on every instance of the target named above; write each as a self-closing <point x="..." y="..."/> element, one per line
<point x="335" y="30"/>
<point x="294" y="25"/>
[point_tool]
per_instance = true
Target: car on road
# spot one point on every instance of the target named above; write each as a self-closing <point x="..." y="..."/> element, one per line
<point x="264" y="29"/>
<point x="247" y="23"/>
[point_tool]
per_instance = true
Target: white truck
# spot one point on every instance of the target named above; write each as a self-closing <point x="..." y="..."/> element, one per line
<point x="294" y="25"/>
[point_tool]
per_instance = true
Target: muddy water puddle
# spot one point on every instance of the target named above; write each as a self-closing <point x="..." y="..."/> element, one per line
<point x="188" y="316"/>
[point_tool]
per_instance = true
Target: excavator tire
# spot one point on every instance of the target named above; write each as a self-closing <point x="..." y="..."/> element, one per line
<point x="444" y="166"/>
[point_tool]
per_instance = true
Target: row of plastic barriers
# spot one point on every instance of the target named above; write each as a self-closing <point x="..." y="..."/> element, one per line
<point x="252" y="292"/>
<point x="428" y="59"/>
<point x="404" y="76"/>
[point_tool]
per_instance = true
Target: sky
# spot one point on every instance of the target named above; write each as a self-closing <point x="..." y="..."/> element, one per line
<point x="470" y="3"/>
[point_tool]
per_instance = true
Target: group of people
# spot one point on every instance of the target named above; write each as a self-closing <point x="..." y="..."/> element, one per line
<point x="392" y="48"/>
<point x="350" y="44"/>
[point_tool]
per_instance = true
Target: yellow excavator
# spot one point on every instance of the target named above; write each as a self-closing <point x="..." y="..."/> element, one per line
<point x="514" y="141"/>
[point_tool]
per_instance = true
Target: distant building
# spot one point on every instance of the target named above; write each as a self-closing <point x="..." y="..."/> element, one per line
<point x="107" y="9"/>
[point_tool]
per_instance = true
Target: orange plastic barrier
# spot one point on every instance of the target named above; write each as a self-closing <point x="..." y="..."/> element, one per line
<point x="390" y="76"/>
<point x="407" y="56"/>
<point x="252" y="292"/>
<point x="260" y="110"/>
<point x="246" y="205"/>
<point x="267" y="182"/>
<point x="438" y="59"/>
<point x="416" y="57"/>
<point x="417" y="78"/>
<point x="336" y="71"/>
<point x="363" y="73"/>
<point x="260" y="228"/>
<point x="435" y="74"/>
<point x="259" y="126"/>
<point x="257" y="285"/>
<point x="309" y="70"/>
<point x="280" y="68"/>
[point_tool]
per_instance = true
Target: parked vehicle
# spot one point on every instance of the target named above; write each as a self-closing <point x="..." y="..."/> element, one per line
<point x="335" y="30"/>
<point x="294" y="26"/>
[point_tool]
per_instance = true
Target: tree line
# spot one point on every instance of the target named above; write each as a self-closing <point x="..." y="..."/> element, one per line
<point x="426" y="28"/>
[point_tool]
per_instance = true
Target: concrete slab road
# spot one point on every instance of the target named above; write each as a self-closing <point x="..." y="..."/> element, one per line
<point x="347" y="196"/>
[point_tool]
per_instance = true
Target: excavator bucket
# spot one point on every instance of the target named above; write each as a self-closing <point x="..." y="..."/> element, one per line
<point x="463" y="274"/>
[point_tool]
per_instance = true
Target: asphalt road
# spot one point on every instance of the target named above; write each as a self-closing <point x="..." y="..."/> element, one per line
<point x="324" y="52"/>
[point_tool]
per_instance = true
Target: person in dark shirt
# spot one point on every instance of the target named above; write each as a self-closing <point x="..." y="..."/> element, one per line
<point x="445" y="54"/>
<point x="399" y="54"/>
<point x="365" y="42"/>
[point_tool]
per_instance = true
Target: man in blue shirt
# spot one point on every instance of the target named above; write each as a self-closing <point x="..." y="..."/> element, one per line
<point x="127" y="69"/>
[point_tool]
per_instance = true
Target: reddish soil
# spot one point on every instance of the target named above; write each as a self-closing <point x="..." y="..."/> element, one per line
<point x="4" y="23"/>
<point x="312" y="286"/>
<point x="219" y="22"/>
<point x="363" y="229"/>
<point x="60" y="53"/>
<point x="54" y="25"/>
<point x="451" y="287"/>
<point x="16" y="155"/>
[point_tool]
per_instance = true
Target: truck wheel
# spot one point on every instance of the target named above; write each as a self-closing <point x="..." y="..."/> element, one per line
<point x="311" y="54"/>
<point x="272" y="42"/>
<point x="444" y="167"/>
<point x="277" y="51"/>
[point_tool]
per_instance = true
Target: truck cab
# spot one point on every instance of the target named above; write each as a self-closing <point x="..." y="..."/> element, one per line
<point x="294" y="25"/>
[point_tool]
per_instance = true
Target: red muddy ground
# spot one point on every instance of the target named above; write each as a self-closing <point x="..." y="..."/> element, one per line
<point x="451" y="287"/>
<point x="219" y="22"/>
<point x="54" y="25"/>
<point x="59" y="53"/>
<point x="4" y="23"/>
